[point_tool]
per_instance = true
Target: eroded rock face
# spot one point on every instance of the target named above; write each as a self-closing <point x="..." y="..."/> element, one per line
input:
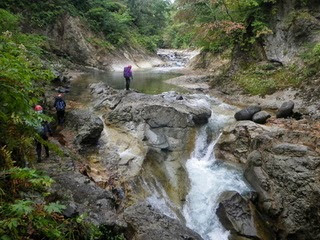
<point x="282" y="164"/>
<point x="149" y="135"/>
<point x="148" y="224"/>
<point x="241" y="218"/>
<point x="289" y="35"/>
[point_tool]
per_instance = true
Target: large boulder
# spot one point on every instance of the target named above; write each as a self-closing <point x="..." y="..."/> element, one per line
<point x="241" y="218"/>
<point x="247" y="113"/>
<point x="286" y="110"/>
<point x="235" y="141"/>
<point x="149" y="135"/>
<point x="147" y="223"/>
<point x="282" y="164"/>
<point x="87" y="125"/>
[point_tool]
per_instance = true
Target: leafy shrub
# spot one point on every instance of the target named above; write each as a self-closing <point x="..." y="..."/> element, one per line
<point x="8" y="22"/>
<point x="22" y="77"/>
<point x="21" y="217"/>
<point x="266" y="79"/>
<point x="311" y="58"/>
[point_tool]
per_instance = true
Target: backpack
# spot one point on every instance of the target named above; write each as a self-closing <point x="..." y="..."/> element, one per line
<point x="60" y="105"/>
<point x="42" y="130"/>
<point x="127" y="72"/>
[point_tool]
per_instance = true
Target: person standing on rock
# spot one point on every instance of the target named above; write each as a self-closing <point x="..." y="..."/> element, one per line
<point x="43" y="130"/>
<point x="127" y="74"/>
<point x="60" y="106"/>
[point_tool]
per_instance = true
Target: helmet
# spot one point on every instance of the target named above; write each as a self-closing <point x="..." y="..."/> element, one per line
<point x="38" y="108"/>
<point x="129" y="66"/>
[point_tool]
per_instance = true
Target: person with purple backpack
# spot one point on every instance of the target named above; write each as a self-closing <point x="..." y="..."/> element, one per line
<point x="127" y="74"/>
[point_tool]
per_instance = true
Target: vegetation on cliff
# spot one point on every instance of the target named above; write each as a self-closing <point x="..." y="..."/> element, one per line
<point x="117" y="23"/>
<point x="256" y="35"/>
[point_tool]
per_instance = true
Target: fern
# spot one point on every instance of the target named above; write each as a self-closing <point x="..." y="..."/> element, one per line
<point x="21" y="207"/>
<point x="54" y="207"/>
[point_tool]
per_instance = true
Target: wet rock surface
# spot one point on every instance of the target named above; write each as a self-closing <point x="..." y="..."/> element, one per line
<point x="149" y="224"/>
<point x="282" y="164"/>
<point x="239" y="215"/>
<point x="149" y="135"/>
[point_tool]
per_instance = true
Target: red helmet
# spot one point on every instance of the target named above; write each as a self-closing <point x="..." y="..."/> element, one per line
<point x="129" y="66"/>
<point x="38" y="108"/>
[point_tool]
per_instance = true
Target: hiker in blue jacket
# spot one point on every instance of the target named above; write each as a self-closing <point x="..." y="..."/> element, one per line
<point x="60" y="106"/>
<point x="127" y="74"/>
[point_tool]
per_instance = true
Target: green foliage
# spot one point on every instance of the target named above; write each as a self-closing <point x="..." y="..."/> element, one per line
<point x="8" y="22"/>
<point x="225" y="22"/>
<point x="101" y="43"/>
<point x="22" y="77"/>
<point x="23" y="218"/>
<point x="311" y="58"/>
<point x="118" y="21"/>
<point x="266" y="78"/>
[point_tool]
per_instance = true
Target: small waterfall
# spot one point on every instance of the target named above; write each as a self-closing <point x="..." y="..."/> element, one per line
<point x="209" y="178"/>
<point x="175" y="57"/>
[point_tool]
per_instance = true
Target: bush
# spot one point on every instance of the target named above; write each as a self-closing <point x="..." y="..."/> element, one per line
<point x="266" y="78"/>
<point x="23" y="218"/>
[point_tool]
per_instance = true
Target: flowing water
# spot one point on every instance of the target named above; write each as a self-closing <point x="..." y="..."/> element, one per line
<point x="209" y="178"/>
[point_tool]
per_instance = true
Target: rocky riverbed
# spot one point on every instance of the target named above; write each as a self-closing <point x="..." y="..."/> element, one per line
<point x="127" y="163"/>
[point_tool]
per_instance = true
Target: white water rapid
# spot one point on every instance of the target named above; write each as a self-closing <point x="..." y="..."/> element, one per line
<point x="209" y="178"/>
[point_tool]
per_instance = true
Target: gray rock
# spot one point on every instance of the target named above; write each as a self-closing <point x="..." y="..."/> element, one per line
<point x="87" y="125"/>
<point x="261" y="117"/>
<point x="179" y="97"/>
<point x="286" y="110"/>
<point x="282" y="165"/>
<point x="240" y="217"/>
<point x="247" y="113"/>
<point x="70" y="211"/>
<point x="149" y="224"/>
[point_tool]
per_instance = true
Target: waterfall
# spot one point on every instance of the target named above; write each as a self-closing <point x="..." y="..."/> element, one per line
<point x="209" y="178"/>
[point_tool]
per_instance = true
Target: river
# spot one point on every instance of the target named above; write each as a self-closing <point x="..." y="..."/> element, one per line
<point x="208" y="176"/>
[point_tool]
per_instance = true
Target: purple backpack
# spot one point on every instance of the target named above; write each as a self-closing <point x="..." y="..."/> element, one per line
<point x="127" y="72"/>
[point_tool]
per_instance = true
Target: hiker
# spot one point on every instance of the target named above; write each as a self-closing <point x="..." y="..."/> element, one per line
<point x="43" y="130"/>
<point x="127" y="74"/>
<point x="60" y="106"/>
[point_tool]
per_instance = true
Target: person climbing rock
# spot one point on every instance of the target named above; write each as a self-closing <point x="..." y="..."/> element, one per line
<point x="43" y="130"/>
<point x="60" y="106"/>
<point x="127" y="74"/>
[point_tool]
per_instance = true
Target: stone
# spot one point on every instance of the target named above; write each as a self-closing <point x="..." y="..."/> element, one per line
<point x="88" y="127"/>
<point x="147" y="223"/>
<point x="282" y="165"/>
<point x="261" y="117"/>
<point x="70" y="211"/>
<point x="286" y="110"/>
<point x="240" y="217"/>
<point x="179" y="97"/>
<point x="247" y="113"/>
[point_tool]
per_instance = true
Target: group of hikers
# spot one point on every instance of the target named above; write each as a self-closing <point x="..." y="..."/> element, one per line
<point x="45" y="131"/>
